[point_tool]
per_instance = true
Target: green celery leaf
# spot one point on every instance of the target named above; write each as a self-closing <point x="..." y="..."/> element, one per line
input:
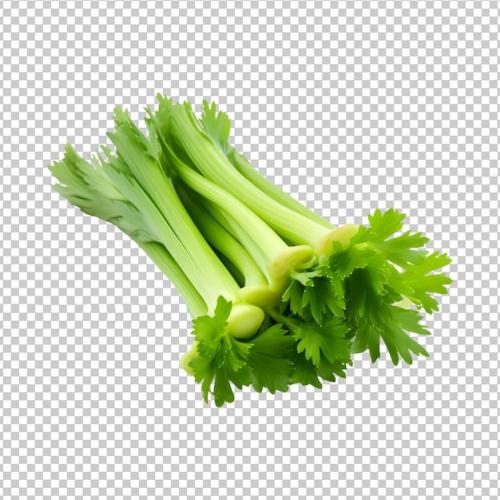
<point x="401" y="250"/>
<point x="217" y="125"/>
<point x="220" y="358"/>
<point x="139" y="153"/>
<point x="305" y="373"/>
<point x="315" y="294"/>
<point x="93" y="188"/>
<point x="270" y="360"/>
<point x="372" y="317"/>
<point x="209" y="331"/>
<point x="384" y="224"/>
<point x="343" y="261"/>
<point x="293" y="296"/>
<point x="398" y="266"/>
<point x="326" y="341"/>
<point x="309" y="371"/>
<point x="330" y="371"/>
<point x="423" y="284"/>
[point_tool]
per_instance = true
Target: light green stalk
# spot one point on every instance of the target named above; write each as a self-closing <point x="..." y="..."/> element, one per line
<point x="267" y="187"/>
<point x="108" y="190"/>
<point x="217" y="125"/>
<point x="214" y="165"/>
<point x="222" y="240"/>
<point x="199" y="262"/>
<point x="280" y="258"/>
<point x="213" y="223"/>
<point x="231" y="225"/>
<point x="164" y="261"/>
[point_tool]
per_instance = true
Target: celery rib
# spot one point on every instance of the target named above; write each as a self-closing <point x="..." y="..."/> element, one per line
<point x="216" y="167"/>
<point x="267" y="240"/>
<point x="267" y="187"/>
<point x="206" y="271"/>
<point x="231" y="225"/>
<point x="223" y="241"/>
<point x="164" y="261"/>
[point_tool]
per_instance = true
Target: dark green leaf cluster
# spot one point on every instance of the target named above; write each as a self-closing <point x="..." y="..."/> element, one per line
<point x="283" y="353"/>
<point x="221" y="361"/>
<point x="365" y="282"/>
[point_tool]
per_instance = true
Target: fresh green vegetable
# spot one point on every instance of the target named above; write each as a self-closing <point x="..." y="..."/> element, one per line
<point x="278" y="295"/>
<point x="358" y="273"/>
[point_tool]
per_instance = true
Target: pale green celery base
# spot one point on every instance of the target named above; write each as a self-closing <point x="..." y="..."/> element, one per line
<point x="244" y="320"/>
<point x="260" y="295"/>
<point x="277" y="269"/>
<point x="292" y="258"/>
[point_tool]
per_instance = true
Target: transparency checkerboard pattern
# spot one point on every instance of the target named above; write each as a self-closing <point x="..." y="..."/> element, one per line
<point x="350" y="106"/>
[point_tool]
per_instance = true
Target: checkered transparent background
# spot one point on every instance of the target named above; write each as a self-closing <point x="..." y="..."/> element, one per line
<point x="350" y="105"/>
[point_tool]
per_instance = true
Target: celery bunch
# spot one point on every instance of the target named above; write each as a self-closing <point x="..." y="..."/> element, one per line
<point x="278" y="295"/>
